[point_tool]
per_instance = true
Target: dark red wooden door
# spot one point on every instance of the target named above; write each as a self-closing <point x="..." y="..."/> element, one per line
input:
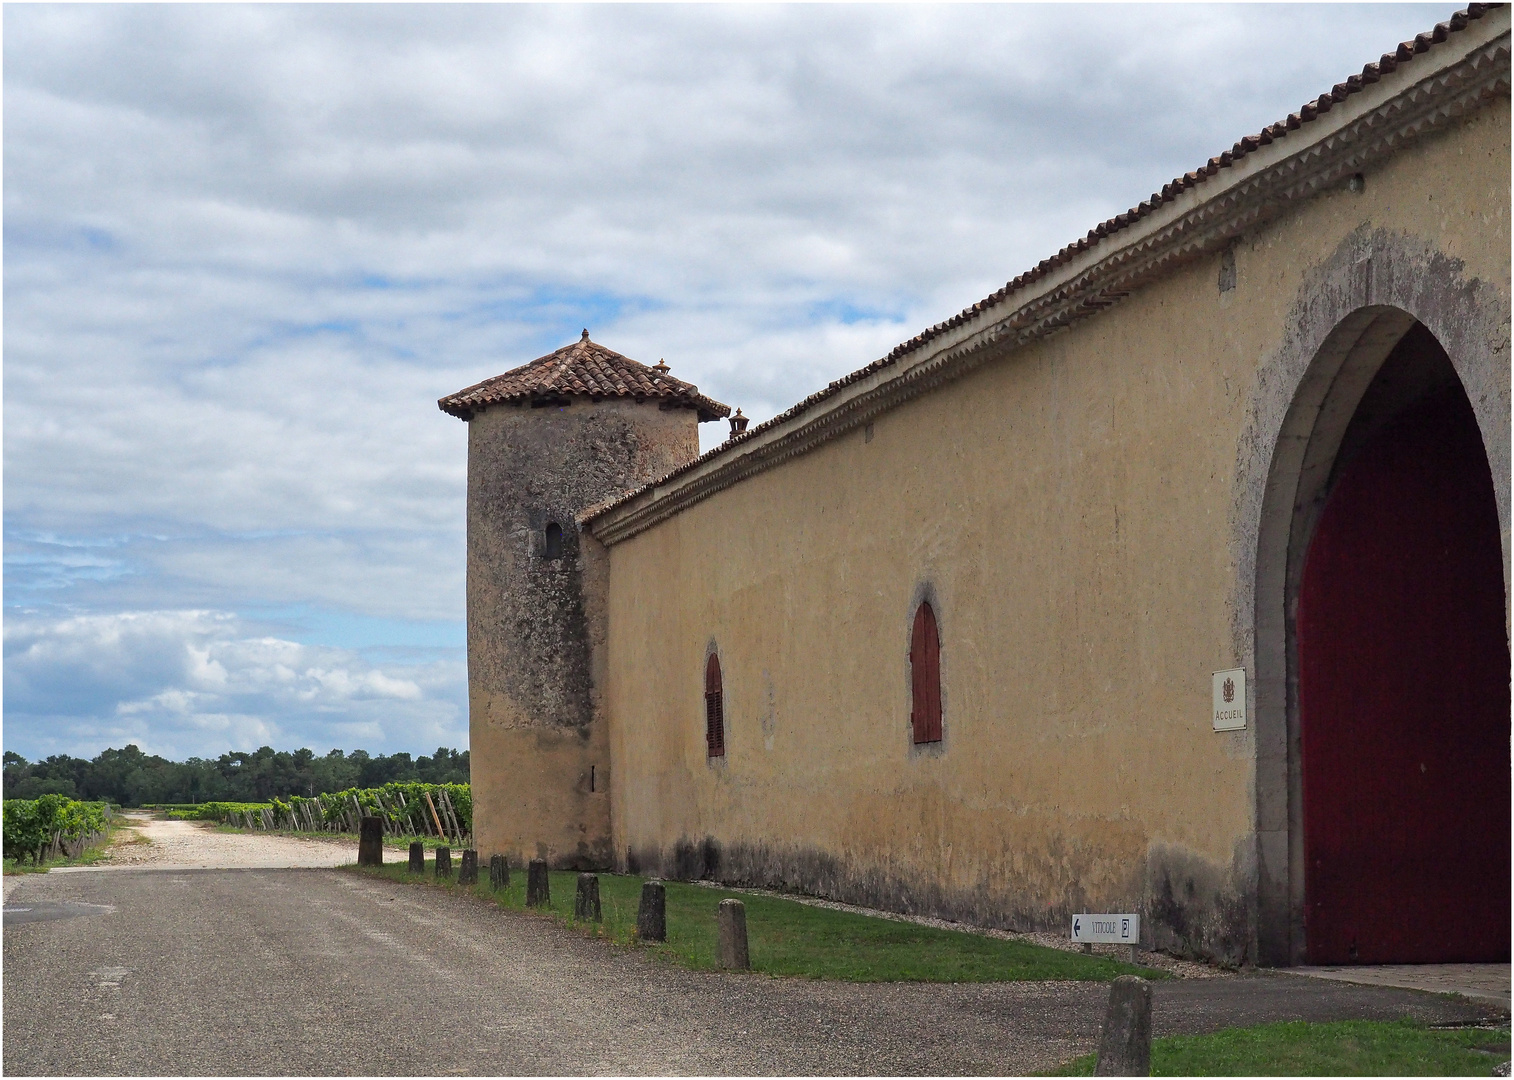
<point x="925" y="676"/>
<point x="1404" y="702"/>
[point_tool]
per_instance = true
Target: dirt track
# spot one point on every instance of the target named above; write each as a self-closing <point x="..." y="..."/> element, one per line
<point x="199" y="845"/>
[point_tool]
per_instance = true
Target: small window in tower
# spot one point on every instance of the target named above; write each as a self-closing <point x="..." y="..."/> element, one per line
<point x="554" y="540"/>
<point x="714" y="708"/>
<point x="925" y="676"/>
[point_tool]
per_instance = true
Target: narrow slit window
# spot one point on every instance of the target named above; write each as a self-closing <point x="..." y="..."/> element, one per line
<point x="714" y="708"/>
<point x="925" y="677"/>
<point x="554" y="540"/>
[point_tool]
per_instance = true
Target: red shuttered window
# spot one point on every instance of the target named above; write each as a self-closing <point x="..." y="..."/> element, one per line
<point x="925" y="676"/>
<point x="714" y="708"/>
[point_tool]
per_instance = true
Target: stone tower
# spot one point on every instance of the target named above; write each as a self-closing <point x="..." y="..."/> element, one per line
<point x="546" y="441"/>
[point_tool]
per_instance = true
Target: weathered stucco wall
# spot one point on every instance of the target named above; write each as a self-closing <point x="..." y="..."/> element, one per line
<point x="1083" y="513"/>
<point x="539" y="748"/>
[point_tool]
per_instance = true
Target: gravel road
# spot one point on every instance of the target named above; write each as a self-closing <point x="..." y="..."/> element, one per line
<point x="199" y="845"/>
<point x="319" y="971"/>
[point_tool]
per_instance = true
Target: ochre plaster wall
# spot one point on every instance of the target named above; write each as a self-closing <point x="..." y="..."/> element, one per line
<point x="540" y="759"/>
<point x="1076" y="512"/>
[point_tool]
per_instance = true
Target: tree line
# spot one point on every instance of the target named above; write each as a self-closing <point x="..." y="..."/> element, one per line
<point x="131" y="778"/>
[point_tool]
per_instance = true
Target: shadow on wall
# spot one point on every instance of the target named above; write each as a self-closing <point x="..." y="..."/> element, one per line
<point x="1190" y="905"/>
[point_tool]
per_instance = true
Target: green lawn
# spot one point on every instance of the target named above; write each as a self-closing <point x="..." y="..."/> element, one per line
<point x="789" y="938"/>
<point x="1346" y="1048"/>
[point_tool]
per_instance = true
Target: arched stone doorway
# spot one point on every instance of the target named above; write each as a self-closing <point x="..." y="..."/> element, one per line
<point x="1402" y="677"/>
<point x="1349" y="315"/>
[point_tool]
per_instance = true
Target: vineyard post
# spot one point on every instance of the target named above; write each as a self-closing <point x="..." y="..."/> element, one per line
<point x="457" y="829"/>
<point x="405" y="807"/>
<point x="434" y="816"/>
<point x="457" y="822"/>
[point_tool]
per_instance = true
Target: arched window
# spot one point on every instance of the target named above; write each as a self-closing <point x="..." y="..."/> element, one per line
<point x="714" y="708"/>
<point x="554" y="540"/>
<point x="925" y="676"/>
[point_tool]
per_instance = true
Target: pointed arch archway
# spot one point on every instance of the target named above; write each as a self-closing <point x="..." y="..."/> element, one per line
<point x="1374" y="461"/>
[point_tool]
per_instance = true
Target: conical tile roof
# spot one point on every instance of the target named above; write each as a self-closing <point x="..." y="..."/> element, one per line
<point x="583" y="369"/>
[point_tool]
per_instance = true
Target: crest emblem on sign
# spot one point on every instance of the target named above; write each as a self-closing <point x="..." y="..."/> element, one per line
<point x="1227" y="691"/>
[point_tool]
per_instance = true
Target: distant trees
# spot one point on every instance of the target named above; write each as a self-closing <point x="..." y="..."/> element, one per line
<point x="131" y="778"/>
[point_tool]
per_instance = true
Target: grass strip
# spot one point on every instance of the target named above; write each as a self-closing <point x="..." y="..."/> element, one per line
<point x="1341" y="1048"/>
<point x="793" y="939"/>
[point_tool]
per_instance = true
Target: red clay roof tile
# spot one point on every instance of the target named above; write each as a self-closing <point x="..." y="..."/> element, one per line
<point x="1371" y="73"/>
<point x="583" y="369"/>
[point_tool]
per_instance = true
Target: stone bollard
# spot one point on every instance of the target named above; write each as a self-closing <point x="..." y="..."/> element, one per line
<point x="538" y="885"/>
<point x="732" y="950"/>
<point x="370" y="842"/>
<point x="586" y="900"/>
<point x="443" y="862"/>
<point x="652" y="915"/>
<point x="417" y="857"/>
<point x="499" y="873"/>
<point x="1125" y="1042"/>
<point x="467" y="874"/>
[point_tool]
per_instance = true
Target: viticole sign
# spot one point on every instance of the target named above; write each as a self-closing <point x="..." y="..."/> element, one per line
<point x="1106" y="929"/>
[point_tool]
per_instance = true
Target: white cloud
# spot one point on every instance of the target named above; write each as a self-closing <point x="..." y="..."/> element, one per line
<point x="247" y="247"/>
<point x="195" y="682"/>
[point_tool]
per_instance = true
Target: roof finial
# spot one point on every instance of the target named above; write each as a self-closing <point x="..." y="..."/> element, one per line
<point x="738" y="423"/>
<point x="586" y="334"/>
<point x="661" y="366"/>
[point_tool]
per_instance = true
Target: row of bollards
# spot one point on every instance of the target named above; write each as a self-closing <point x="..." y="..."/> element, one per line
<point x="651" y="913"/>
<point x="1124" y="1041"/>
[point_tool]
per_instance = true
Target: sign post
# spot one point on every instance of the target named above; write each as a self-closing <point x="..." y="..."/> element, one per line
<point x="1107" y="930"/>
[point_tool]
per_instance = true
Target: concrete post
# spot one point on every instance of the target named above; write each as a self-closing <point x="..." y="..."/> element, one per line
<point x="370" y="842"/>
<point x="538" y="885"/>
<point x="652" y="914"/>
<point x="1125" y="1042"/>
<point x="443" y="862"/>
<point x="467" y="874"/>
<point x="499" y="873"/>
<point x="732" y="950"/>
<point x="417" y="857"/>
<point x="586" y="901"/>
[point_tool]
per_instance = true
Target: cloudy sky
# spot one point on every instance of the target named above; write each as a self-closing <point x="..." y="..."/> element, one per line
<point x="246" y="248"/>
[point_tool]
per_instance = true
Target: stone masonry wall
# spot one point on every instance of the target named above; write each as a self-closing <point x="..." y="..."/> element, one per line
<point x="540" y="758"/>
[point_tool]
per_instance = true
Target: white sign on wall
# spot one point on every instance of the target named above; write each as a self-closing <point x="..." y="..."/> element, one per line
<point x="1107" y="929"/>
<point x="1230" y="699"/>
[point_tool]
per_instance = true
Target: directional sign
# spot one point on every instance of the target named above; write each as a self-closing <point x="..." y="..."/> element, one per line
<point x="1107" y="929"/>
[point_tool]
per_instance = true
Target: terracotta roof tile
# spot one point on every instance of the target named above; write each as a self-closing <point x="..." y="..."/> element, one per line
<point x="583" y="369"/>
<point x="1371" y="73"/>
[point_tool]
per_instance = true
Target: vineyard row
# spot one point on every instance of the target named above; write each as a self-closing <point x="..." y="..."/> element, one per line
<point x="406" y="809"/>
<point x="53" y="826"/>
